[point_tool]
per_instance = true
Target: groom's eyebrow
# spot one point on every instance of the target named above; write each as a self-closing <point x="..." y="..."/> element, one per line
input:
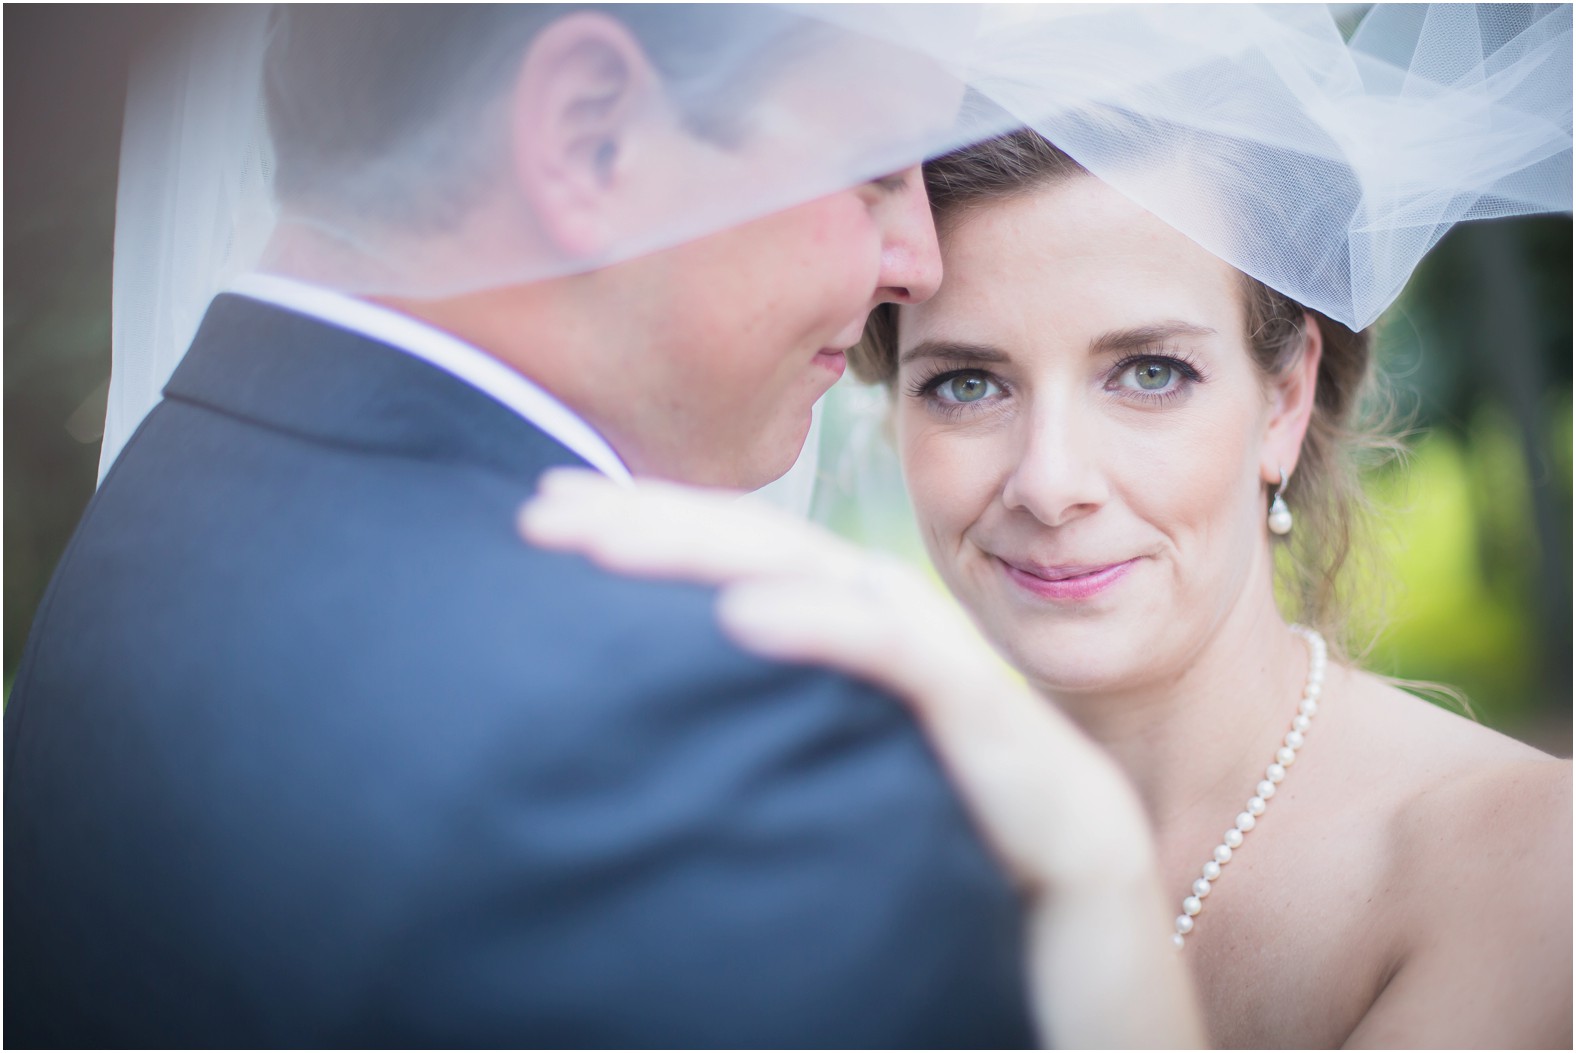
<point x="891" y="184"/>
<point x="952" y="351"/>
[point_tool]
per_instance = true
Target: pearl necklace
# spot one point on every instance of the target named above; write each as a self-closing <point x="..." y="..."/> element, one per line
<point x="1284" y="758"/>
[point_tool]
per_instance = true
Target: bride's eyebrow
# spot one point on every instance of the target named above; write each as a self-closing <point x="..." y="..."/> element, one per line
<point x="952" y="351"/>
<point x="1140" y="337"/>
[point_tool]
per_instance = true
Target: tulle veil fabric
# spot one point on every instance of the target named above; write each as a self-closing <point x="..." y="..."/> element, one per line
<point x="188" y="219"/>
<point x="1320" y="159"/>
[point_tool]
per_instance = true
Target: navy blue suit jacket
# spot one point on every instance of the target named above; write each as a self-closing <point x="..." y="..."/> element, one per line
<point x="308" y="748"/>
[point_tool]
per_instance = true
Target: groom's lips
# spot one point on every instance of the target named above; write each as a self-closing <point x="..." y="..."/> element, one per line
<point x="832" y="359"/>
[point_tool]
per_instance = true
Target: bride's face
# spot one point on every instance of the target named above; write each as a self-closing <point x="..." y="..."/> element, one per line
<point x="1082" y="431"/>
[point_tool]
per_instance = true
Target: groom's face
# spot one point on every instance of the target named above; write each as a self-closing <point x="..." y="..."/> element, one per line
<point x="755" y="320"/>
<point x="700" y="361"/>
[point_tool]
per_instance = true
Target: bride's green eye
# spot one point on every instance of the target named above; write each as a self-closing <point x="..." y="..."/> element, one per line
<point x="964" y="388"/>
<point x="1153" y="376"/>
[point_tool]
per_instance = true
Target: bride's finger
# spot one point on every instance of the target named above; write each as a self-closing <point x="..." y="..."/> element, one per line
<point x="884" y="624"/>
<point x="1018" y="760"/>
<point x="865" y="612"/>
<point x="815" y="621"/>
<point x="666" y="530"/>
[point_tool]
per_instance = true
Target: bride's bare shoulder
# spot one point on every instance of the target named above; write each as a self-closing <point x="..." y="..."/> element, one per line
<point x="1428" y="739"/>
<point x="1479" y="835"/>
<point x="1451" y="778"/>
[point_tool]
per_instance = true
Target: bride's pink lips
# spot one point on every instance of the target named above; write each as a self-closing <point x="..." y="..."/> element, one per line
<point x="1067" y="582"/>
<point x="832" y="359"/>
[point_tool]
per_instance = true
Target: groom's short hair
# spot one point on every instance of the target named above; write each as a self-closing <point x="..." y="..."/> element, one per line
<point x="396" y="112"/>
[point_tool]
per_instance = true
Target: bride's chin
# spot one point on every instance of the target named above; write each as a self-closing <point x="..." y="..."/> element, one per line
<point x="1069" y="685"/>
<point x="1068" y="668"/>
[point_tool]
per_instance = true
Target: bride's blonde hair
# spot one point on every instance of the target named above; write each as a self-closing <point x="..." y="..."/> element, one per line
<point x="1350" y="424"/>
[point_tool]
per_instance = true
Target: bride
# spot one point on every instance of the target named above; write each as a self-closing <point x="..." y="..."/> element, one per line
<point x="1107" y="433"/>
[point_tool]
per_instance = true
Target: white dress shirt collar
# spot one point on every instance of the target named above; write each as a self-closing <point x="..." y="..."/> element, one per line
<point x="444" y="351"/>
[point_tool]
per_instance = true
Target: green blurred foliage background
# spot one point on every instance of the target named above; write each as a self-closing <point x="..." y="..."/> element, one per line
<point x="1477" y="530"/>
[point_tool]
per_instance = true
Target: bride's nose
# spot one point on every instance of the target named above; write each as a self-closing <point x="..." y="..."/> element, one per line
<point x="1056" y="476"/>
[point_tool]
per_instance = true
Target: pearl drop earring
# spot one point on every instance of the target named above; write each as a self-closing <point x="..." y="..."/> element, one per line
<point x="1280" y="515"/>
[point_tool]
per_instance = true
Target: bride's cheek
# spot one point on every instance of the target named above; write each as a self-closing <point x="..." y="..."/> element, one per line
<point x="949" y="481"/>
<point x="1190" y="489"/>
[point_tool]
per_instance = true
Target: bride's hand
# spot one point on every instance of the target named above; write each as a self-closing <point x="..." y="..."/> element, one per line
<point x="1053" y="806"/>
<point x="795" y="592"/>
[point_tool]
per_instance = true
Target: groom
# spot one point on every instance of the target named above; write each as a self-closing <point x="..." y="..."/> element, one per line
<point x="308" y="750"/>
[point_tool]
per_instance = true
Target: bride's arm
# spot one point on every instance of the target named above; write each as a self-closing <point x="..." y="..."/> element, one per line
<point x="1053" y="806"/>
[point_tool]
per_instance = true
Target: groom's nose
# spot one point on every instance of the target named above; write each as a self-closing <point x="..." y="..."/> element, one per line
<point x="910" y="254"/>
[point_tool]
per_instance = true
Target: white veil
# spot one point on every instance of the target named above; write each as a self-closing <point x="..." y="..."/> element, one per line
<point x="187" y="221"/>
<point x="1324" y="166"/>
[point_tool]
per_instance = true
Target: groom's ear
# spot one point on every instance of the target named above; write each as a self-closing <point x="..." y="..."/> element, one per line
<point x="584" y="89"/>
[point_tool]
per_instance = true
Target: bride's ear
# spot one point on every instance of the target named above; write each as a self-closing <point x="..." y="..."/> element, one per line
<point x="1291" y="406"/>
<point x="580" y="98"/>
